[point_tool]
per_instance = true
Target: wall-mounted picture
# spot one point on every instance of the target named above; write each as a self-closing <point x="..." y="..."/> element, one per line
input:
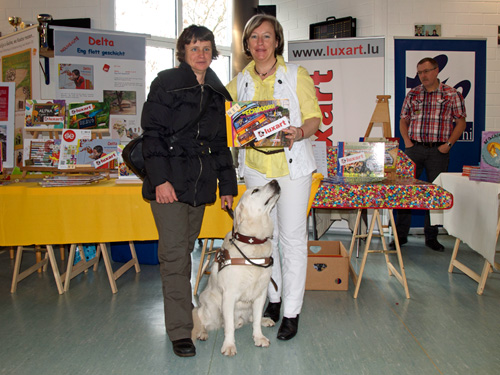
<point x="17" y="68"/>
<point x="428" y="30"/>
<point x="76" y="76"/>
<point x="124" y="128"/>
<point x="121" y="102"/>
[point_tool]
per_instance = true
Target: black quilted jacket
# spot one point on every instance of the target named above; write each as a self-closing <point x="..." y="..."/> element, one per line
<point x="191" y="155"/>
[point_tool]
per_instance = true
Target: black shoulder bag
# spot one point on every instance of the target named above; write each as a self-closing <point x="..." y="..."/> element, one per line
<point x="132" y="152"/>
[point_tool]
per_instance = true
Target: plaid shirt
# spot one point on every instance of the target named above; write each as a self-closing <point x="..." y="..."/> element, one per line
<point x="431" y="114"/>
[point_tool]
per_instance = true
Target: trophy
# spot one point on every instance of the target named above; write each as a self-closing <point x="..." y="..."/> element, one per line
<point x="43" y="28"/>
<point x="15" y="22"/>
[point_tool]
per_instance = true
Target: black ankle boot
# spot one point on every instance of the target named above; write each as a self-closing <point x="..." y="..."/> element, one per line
<point x="273" y="311"/>
<point x="184" y="348"/>
<point x="288" y="328"/>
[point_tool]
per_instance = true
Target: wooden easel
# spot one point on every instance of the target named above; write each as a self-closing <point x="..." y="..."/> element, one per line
<point x="381" y="116"/>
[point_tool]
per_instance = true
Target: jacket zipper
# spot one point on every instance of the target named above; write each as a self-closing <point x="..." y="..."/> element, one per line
<point x="199" y="159"/>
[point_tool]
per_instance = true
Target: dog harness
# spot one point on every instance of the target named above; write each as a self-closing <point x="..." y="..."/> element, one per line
<point x="224" y="259"/>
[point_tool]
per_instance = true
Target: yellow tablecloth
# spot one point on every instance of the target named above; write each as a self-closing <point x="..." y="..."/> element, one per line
<point x="103" y="212"/>
<point x="98" y="213"/>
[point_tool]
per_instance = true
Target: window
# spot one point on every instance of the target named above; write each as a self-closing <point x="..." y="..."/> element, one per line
<point x="159" y="19"/>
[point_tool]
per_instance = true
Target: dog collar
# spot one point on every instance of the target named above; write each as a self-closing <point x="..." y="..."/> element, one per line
<point x="248" y="239"/>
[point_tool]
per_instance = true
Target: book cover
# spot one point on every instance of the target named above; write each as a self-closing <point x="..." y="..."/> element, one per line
<point x="88" y="115"/>
<point x="42" y="152"/>
<point x="69" y="147"/>
<point x="490" y="150"/>
<point x="364" y="160"/>
<point x="90" y="150"/>
<point x="44" y="114"/>
<point x="391" y="151"/>
<point x="124" y="172"/>
<point x="257" y="123"/>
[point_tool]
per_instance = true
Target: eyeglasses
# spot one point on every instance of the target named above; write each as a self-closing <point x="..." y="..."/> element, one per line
<point x="425" y="71"/>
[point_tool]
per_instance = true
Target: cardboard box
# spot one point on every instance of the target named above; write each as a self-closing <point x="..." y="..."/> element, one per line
<point x="327" y="266"/>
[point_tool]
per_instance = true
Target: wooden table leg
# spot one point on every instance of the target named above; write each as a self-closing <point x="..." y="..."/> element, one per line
<point x="401" y="274"/>
<point x="113" y="276"/>
<point x="480" y="279"/>
<point x="49" y="256"/>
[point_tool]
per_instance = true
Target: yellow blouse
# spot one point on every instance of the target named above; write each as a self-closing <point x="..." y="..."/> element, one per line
<point x="275" y="165"/>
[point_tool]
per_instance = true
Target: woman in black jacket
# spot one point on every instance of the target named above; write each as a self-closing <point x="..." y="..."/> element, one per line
<point x="185" y="152"/>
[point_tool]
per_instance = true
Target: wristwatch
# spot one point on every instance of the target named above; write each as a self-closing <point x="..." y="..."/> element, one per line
<point x="449" y="144"/>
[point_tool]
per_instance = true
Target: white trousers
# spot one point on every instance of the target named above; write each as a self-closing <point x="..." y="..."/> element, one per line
<point x="290" y="236"/>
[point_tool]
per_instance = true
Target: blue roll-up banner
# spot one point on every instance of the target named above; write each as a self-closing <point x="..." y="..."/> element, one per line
<point x="462" y="65"/>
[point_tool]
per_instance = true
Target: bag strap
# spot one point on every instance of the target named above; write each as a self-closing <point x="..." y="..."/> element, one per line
<point x="270" y="152"/>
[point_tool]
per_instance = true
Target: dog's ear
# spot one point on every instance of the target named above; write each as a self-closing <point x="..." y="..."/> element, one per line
<point x="238" y="215"/>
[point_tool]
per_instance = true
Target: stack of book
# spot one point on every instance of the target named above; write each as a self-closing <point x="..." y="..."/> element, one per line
<point x="466" y="169"/>
<point x="52" y="181"/>
<point x="488" y="175"/>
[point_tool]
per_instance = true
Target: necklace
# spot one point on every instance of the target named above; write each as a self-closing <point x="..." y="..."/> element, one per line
<point x="266" y="73"/>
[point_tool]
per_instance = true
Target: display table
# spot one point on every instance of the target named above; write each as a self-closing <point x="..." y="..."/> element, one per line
<point x="398" y="190"/>
<point x="406" y="193"/>
<point x="474" y="219"/>
<point x="99" y="213"/>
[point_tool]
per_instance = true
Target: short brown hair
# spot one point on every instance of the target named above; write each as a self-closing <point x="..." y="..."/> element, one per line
<point x="429" y="60"/>
<point x="192" y="34"/>
<point x="255" y="22"/>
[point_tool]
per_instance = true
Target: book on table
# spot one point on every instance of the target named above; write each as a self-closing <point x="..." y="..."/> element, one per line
<point x="360" y="161"/>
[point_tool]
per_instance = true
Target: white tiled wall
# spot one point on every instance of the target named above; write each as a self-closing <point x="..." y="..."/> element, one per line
<point x="390" y="18"/>
<point x="387" y="18"/>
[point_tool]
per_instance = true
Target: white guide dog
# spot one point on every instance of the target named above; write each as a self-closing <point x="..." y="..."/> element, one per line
<point x="236" y="293"/>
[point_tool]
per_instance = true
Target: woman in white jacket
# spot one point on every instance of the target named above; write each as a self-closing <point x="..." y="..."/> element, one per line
<point x="268" y="77"/>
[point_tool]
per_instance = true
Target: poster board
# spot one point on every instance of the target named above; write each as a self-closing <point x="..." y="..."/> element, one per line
<point x="7" y="98"/>
<point x="19" y="63"/>
<point x="103" y="66"/>
<point x="348" y="74"/>
<point x="462" y="64"/>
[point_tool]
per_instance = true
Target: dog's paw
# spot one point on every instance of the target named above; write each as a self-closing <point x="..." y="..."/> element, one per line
<point x="228" y="349"/>
<point x="239" y="323"/>
<point x="202" y="335"/>
<point x="267" y="322"/>
<point x="261" y="341"/>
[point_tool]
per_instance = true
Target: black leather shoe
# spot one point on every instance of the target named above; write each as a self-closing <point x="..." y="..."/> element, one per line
<point x="184" y="348"/>
<point x="288" y="328"/>
<point x="434" y="245"/>
<point x="402" y="241"/>
<point x="273" y="311"/>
